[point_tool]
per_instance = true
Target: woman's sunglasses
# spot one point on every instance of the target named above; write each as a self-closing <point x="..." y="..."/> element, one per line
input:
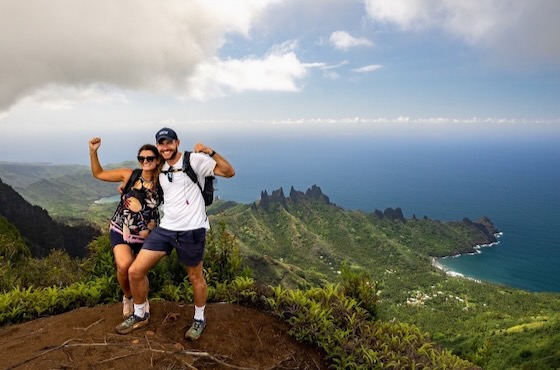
<point x="141" y="159"/>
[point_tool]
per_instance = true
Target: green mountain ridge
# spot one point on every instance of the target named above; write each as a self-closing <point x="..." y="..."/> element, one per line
<point x="303" y="240"/>
<point x="67" y="192"/>
<point x="42" y="233"/>
<point x="306" y="229"/>
<point x="477" y="320"/>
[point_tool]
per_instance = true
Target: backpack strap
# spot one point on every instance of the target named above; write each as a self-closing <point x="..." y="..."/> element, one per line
<point x="188" y="168"/>
<point x="159" y="192"/>
<point x="132" y="179"/>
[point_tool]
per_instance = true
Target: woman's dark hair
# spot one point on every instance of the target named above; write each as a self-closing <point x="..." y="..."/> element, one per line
<point x="152" y="148"/>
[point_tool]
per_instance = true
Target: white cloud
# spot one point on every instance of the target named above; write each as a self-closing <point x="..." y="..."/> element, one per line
<point x="279" y="70"/>
<point x="328" y="70"/>
<point x="343" y="40"/>
<point x="132" y="44"/>
<point x="524" y="29"/>
<point x="65" y="97"/>
<point x="334" y="66"/>
<point x="368" y="68"/>
<point x="401" y="12"/>
<point x="471" y="20"/>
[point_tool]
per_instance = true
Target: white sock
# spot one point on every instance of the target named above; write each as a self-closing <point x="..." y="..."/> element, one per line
<point x="140" y="309"/>
<point x="199" y="313"/>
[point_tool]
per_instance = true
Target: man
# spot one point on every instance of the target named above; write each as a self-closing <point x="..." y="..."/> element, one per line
<point x="183" y="227"/>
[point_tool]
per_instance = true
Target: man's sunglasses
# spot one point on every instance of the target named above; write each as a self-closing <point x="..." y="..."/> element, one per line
<point x="170" y="171"/>
<point x="150" y="159"/>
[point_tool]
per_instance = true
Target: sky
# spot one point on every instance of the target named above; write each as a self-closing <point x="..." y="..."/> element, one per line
<point x="221" y="72"/>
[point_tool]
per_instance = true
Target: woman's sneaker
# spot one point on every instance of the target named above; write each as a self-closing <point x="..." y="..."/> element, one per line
<point x="128" y="307"/>
<point x="133" y="322"/>
<point x="196" y="329"/>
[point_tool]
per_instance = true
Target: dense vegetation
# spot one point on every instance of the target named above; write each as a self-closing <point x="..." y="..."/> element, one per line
<point x="302" y="249"/>
<point x="492" y="326"/>
<point x="40" y="231"/>
<point x="340" y="319"/>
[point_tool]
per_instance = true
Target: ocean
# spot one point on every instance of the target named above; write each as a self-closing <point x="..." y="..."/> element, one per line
<point x="510" y="175"/>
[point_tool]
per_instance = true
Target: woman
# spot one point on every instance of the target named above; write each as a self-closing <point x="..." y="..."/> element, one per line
<point x="137" y="213"/>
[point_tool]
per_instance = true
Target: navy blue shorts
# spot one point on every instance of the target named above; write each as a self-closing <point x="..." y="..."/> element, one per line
<point x="189" y="244"/>
<point x="117" y="238"/>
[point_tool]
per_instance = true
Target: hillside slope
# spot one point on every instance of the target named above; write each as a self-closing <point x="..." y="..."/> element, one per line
<point x="303" y="239"/>
<point x="41" y="232"/>
<point x="306" y="230"/>
<point x="66" y="191"/>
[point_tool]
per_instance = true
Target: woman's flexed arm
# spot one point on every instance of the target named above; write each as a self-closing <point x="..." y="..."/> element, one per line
<point x="120" y="174"/>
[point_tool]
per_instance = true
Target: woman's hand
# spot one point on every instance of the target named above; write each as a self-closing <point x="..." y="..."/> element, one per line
<point x="94" y="144"/>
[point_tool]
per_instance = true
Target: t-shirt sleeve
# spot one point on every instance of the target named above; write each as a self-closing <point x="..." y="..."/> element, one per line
<point x="203" y="165"/>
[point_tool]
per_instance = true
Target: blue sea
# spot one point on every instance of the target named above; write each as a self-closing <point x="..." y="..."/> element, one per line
<point x="511" y="175"/>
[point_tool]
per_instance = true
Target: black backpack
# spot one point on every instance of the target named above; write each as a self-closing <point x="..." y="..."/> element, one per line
<point x="208" y="191"/>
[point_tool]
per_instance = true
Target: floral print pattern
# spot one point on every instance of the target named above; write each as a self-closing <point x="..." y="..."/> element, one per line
<point x="137" y="213"/>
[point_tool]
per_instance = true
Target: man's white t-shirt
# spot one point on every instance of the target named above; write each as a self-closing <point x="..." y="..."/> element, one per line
<point x="183" y="205"/>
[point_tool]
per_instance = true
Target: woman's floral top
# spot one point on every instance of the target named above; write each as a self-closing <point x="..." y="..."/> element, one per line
<point x="137" y="213"/>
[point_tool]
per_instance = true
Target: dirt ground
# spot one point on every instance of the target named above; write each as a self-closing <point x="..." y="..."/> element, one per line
<point x="235" y="337"/>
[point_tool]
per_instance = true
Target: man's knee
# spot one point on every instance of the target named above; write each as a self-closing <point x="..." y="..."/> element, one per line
<point x="142" y="264"/>
<point x="136" y="274"/>
<point x="196" y="275"/>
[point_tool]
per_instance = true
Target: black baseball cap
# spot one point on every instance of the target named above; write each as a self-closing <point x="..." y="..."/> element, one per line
<point x="166" y="133"/>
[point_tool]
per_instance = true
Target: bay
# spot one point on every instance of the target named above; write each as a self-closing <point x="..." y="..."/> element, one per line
<point x="110" y="199"/>
<point x="512" y="178"/>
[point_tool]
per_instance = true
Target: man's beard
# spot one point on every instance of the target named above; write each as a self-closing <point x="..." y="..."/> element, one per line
<point x="173" y="156"/>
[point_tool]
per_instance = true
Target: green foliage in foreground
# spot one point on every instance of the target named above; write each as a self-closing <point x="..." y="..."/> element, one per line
<point x="342" y="326"/>
<point x="13" y="254"/>
<point x="327" y="317"/>
<point x="305" y="246"/>
<point x="17" y="268"/>
<point x="339" y="319"/>
<point x="24" y="304"/>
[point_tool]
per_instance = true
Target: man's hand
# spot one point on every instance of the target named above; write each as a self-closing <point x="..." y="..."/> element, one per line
<point x="201" y="148"/>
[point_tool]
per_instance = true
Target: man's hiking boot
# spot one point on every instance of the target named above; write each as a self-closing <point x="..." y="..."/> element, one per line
<point x="196" y="329"/>
<point x="128" y="307"/>
<point x="133" y="322"/>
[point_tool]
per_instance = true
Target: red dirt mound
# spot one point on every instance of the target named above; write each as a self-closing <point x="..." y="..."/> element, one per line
<point x="236" y="337"/>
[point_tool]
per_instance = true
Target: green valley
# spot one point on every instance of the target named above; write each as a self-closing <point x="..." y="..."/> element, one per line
<point x="301" y="241"/>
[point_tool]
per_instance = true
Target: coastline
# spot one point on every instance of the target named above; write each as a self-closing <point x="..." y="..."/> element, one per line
<point x="109" y="199"/>
<point x="477" y="250"/>
<point x="450" y="272"/>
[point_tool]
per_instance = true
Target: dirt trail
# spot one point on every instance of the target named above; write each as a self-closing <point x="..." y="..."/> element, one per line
<point x="236" y="337"/>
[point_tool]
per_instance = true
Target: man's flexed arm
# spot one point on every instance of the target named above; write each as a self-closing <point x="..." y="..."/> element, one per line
<point x="223" y="167"/>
